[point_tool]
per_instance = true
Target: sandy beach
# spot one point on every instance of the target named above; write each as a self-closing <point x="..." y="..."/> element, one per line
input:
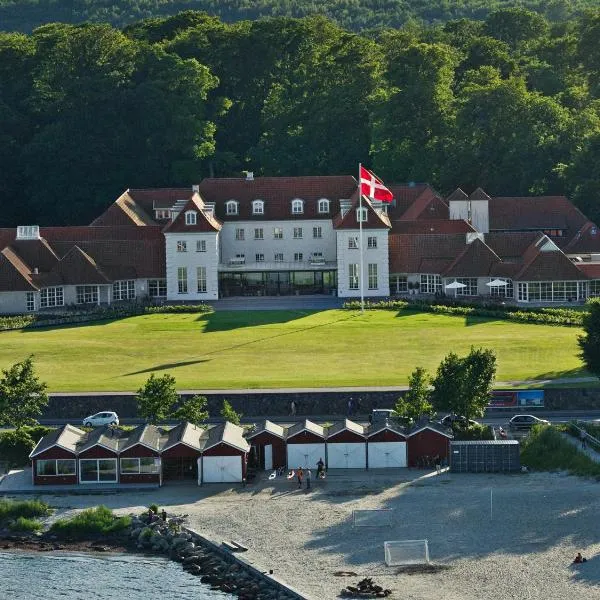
<point x="519" y="546"/>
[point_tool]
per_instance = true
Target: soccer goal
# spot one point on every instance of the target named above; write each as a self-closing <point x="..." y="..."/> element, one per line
<point x="372" y="518"/>
<point x="406" y="552"/>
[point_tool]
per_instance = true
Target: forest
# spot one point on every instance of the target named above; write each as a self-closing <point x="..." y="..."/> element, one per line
<point x="510" y="103"/>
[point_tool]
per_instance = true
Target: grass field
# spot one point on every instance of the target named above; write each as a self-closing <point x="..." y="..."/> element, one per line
<point x="282" y="349"/>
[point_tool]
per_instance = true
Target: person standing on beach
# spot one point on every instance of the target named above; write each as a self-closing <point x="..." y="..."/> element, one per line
<point x="300" y="474"/>
<point x="308" y="477"/>
<point x="582" y="436"/>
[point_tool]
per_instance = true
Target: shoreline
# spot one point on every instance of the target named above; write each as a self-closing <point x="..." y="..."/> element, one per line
<point x="27" y="544"/>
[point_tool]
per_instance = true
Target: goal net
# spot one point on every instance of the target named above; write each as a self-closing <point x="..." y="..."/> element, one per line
<point x="406" y="552"/>
<point x="372" y="518"/>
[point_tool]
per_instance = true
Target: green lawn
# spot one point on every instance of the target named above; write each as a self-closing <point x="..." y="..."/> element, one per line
<point x="282" y="348"/>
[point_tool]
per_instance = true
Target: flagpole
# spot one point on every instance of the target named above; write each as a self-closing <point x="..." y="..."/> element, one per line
<point x="360" y="228"/>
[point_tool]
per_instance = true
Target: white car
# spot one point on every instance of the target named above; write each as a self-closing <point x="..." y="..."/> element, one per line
<point x="101" y="418"/>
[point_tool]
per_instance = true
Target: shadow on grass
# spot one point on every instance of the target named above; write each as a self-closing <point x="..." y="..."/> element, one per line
<point x="166" y="366"/>
<point x="469" y="320"/>
<point x="237" y="319"/>
<point x="566" y="374"/>
<point x="62" y="327"/>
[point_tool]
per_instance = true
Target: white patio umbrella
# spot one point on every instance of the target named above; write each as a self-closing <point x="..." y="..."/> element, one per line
<point x="455" y="285"/>
<point x="496" y="283"/>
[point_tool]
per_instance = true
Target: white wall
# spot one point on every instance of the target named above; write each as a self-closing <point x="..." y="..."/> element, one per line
<point x="191" y="260"/>
<point x="475" y="211"/>
<point x="15" y="302"/>
<point x="378" y="256"/>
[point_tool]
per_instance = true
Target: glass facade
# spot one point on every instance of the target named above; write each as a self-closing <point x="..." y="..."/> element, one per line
<point x="277" y="283"/>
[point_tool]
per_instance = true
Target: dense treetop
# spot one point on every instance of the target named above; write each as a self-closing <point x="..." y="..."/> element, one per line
<point x="510" y="103"/>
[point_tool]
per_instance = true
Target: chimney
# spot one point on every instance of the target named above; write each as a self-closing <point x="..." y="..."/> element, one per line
<point x="249" y="175"/>
<point x="196" y="189"/>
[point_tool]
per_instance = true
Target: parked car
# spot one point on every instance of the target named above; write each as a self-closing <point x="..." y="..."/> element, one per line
<point x="448" y="420"/>
<point x="101" y="418"/>
<point x="526" y="422"/>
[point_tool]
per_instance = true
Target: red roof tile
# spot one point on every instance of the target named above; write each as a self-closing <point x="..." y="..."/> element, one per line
<point x="14" y="273"/>
<point x="585" y="241"/>
<point x="76" y="267"/>
<point x="476" y="260"/>
<point x="432" y="226"/>
<point x="591" y="270"/>
<point x="423" y="253"/>
<point x="124" y="211"/>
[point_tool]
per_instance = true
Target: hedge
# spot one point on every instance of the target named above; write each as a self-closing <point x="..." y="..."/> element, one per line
<point x="545" y="316"/>
<point x="101" y="314"/>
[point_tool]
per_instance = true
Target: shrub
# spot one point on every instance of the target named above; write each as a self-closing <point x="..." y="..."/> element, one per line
<point x="91" y="522"/>
<point x="10" y="509"/>
<point x="472" y="431"/>
<point x="546" y="449"/>
<point x="15" y="446"/>
<point x="24" y="524"/>
<point x="154" y="508"/>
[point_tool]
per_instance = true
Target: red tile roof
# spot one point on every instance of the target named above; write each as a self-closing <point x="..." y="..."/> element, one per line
<point x="585" y="241"/>
<point x="124" y="211"/>
<point x="14" y="273"/>
<point x="432" y="226"/>
<point x="550" y="266"/>
<point x="424" y="253"/>
<point x="205" y="221"/>
<point x="76" y="267"/>
<point x="375" y="219"/>
<point x="476" y="260"/>
<point x="591" y="270"/>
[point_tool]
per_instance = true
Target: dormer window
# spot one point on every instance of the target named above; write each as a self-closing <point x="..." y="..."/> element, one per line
<point x="361" y="215"/>
<point x="297" y="206"/>
<point x="190" y="217"/>
<point x="323" y="206"/>
<point x="162" y="214"/>
<point x="258" y="207"/>
<point x="231" y="207"/>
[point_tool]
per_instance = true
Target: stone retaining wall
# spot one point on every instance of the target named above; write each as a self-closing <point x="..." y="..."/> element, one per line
<point x="261" y="404"/>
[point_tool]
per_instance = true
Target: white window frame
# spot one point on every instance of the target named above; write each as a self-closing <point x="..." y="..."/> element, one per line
<point x="317" y="232"/>
<point x="430" y="284"/>
<point x="231" y="207"/>
<point x="278" y="257"/>
<point x="297" y="233"/>
<point x="277" y="233"/>
<point x="161" y="214"/>
<point x="123" y="290"/>
<point x="30" y="301"/>
<point x="470" y="288"/>
<point x="372" y="242"/>
<point x="160" y="285"/>
<point x="373" y="280"/>
<point x="201" y="283"/>
<point x="240" y="234"/>
<point x="97" y="461"/>
<point x="191" y="217"/>
<point x="364" y="213"/>
<point x="260" y="257"/>
<point x="298" y="257"/>
<point x="182" y="280"/>
<point x="155" y="470"/>
<point x="323" y="206"/>
<point x="258" y="207"/>
<point x="181" y="246"/>
<point x="56" y="461"/>
<point x="200" y="245"/>
<point x="86" y="294"/>
<point x="297" y="206"/>
<point x="259" y="233"/>
<point x="52" y="296"/>
<point x="522" y="292"/>
<point x="353" y="277"/>
<point x="353" y="243"/>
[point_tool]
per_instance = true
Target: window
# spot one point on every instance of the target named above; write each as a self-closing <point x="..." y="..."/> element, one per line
<point x="201" y="278"/>
<point x="470" y="288"/>
<point x="239" y="234"/>
<point x="361" y="215"/>
<point x="201" y="246"/>
<point x="182" y="284"/>
<point x="86" y="294"/>
<point x="52" y="296"/>
<point x="97" y="470"/>
<point x="373" y="276"/>
<point x="231" y="207"/>
<point x="297" y="232"/>
<point x="550" y="291"/>
<point x="298" y="257"/>
<point x="297" y="207"/>
<point x="259" y="233"/>
<point x="181" y="246"/>
<point x="55" y="468"/>
<point x="399" y="284"/>
<point x="135" y="466"/>
<point x="258" y="207"/>
<point x="260" y="258"/>
<point x="190" y="217"/>
<point x="323" y="206"/>
<point x="161" y="214"/>
<point x="278" y="256"/>
<point x="430" y="284"/>
<point x="353" y="243"/>
<point x="278" y="233"/>
<point x="522" y="294"/>
<point x="503" y="291"/>
<point x="124" y="290"/>
<point x="353" y="277"/>
<point x="371" y="242"/>
<point x="317" y="232"/>
<point x="30" y="301"/>
<point x="157" y="288"/>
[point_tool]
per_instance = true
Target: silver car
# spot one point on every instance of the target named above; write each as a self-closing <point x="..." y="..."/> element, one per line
<point x="526" y="422"/>
<point x="101" y="418"/>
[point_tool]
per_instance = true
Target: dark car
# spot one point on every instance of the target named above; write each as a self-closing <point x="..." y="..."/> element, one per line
<point x="526" y="422"/>
<point x="448" y="420"/>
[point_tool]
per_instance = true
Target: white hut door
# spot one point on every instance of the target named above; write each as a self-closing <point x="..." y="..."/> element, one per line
<point x="268" y="457"/>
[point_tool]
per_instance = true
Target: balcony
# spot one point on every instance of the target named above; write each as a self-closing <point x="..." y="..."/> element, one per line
<point x="238" y="261"/>
<point x="240" y="264"/>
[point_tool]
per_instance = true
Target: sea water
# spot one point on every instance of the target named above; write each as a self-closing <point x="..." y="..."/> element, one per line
<point x="79" y="576"/>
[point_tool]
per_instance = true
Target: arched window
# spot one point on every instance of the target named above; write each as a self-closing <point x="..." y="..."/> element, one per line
<point x="231" y="207"/>
<point x="258" y="207"/>
<point x="297" y="206"/>
<point x="323" y="205"/>
<point x="190" y="217"/>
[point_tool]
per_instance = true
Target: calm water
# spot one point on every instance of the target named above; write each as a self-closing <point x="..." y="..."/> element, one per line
<point x="71" y="576"/>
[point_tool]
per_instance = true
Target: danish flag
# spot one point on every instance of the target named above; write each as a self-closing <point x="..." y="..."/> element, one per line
<point x="372" y="187"/>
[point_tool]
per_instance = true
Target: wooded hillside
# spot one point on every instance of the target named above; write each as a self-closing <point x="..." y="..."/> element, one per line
<point x="510" y="104"/>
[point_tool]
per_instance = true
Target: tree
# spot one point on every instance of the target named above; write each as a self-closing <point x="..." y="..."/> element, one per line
<point x="229" y="414"/>
<point x="192" y="410"/>
<point x="155" y="400"/>
<point x="589" y="342"/>
<point x="415" y="403"/>
<point x="462" y="386"/>
<point x="22" y="395"/>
